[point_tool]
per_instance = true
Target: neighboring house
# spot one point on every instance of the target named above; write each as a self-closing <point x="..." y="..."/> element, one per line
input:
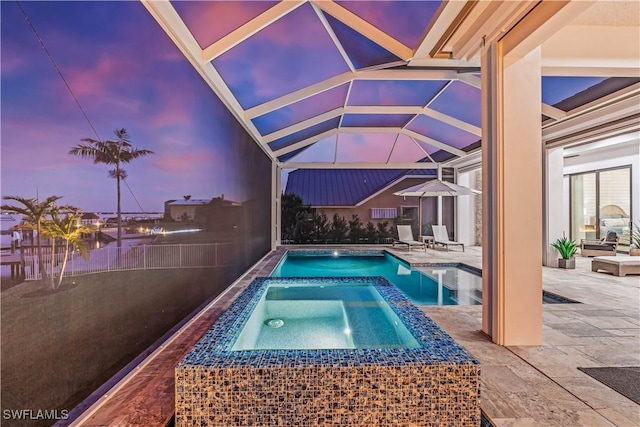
<point x="184" y="210"/>
<point x="202" y="210"/>
<point x="368" y="193"/>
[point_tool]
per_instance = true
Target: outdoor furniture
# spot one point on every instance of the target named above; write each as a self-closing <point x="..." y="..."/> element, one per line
<point x="607" y="246"/>
<point x="618" y="266"/>
<point x="405" y="237"/>
<point x="441" y="237"/>
<point x="428" y="240"/>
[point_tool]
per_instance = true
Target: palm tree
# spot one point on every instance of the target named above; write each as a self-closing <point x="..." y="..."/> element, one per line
<point x="67" y="228"/>
<point x="34" y="213"/>
<point x="111" y="153"/>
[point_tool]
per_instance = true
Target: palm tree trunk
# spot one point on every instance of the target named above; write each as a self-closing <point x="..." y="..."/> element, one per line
<point x="64" y="263"/>
<point x="52" y="277"/>
<point x="43" y="272"/>
<point x="119" y="242"/>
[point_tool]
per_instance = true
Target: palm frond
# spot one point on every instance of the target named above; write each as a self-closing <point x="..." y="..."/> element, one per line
<point x="32" y="209"/>
<point x="115" y="173"/>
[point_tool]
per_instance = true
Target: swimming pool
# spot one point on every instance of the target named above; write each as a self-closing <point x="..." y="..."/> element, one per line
<point x="323" y="315"/>
<point x="429" y="285"/>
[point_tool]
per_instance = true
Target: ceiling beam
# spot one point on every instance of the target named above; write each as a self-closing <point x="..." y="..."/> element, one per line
<point x="347" y="165"/>
<point x="443" y="20"/>
<point x="417" y="144"/>
<point x="336" y="112"/>
<point x="470" y="79"/>
<point x="304" y="142"/>
<point x="298" y="95"/>
<point x="553" y="112"/>
<point x="495" y="20"/>
<point x="443" y="63"/>
<point x="467" y="127"/>
<point x="382" y="109"/>
<point x="433" y="142"/>
<point x="316" y="88"/>
<point x="369" y="129"/>
<point x="334" y="38"/>
<point x="393" y="147"/>
<point x="242" y="33"/>
<point x="365" y="28"/>
<point x="541" y="23"/>
<point x="406" y="74"/>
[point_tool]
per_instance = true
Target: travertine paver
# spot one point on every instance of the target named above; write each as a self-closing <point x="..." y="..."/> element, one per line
<point x="541" y="385"/>
<point x="520" y="386"/>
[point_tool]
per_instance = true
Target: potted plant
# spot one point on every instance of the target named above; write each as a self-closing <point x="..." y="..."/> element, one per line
<point x="634" y="249"/>
<point x="567" y="248"/>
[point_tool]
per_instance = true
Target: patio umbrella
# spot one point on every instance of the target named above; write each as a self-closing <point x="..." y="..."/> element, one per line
<point x="434" y="188"/>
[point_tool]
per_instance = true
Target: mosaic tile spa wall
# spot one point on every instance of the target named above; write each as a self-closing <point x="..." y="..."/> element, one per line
<point x="207" y="184"/>
<point x="436" y="384"/>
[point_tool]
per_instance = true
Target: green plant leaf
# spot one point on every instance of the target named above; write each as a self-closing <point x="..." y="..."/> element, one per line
<point x="567" y="247"/>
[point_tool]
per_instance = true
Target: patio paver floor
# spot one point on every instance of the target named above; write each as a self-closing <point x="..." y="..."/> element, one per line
<point x="521" y="385"/>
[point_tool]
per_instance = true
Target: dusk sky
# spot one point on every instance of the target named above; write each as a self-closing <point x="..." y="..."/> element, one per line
<point x="126" y="73"/>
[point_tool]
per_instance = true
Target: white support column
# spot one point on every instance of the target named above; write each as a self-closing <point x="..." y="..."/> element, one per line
<point x="512" y="197"/>
<point x="465" y="212"/>
<point x="554" y="209"/>
<point x="439" y="197"/>
<point x="276" y="208"/>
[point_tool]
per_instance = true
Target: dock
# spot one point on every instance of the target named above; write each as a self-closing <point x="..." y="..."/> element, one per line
<point x="15" y="263"/>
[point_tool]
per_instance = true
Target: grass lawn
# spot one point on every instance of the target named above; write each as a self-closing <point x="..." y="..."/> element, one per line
<point x="59" y="347"/>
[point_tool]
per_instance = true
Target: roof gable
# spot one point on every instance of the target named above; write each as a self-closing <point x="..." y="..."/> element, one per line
<point x="338" y="187"/>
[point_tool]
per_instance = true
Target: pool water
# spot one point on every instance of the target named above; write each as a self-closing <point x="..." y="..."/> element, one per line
<point x="434" y="285"/>
<point x="324" y="315"/>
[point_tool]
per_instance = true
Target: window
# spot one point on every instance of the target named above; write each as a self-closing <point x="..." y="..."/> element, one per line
<point x="384" y="213"/>
<point x="409" y="212"/>
<point x="601" y="202"/>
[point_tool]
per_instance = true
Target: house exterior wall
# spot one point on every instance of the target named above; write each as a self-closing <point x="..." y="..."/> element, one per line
<point x="387" y="199"/>
<point x="179" y="211"/>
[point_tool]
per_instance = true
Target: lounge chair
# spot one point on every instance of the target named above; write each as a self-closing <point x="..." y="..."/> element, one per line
<point x="441" y="237"/>
<point x="607" y="246"/>
<point x="405" y="237"/>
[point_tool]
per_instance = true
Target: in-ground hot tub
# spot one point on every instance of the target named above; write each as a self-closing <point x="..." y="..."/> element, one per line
<point x="341" y="351"/>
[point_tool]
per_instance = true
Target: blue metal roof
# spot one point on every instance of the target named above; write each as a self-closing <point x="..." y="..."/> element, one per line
<point x="347" y="187"/>
<point x="339" y="187"/>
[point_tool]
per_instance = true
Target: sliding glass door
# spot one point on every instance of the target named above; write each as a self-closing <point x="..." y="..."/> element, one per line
<point x="614" y="195"/>
<point x="583" y="206"/>
<point x="600" y="203"/>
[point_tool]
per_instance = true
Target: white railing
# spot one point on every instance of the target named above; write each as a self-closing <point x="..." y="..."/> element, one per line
<point x="144" y="257"/>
